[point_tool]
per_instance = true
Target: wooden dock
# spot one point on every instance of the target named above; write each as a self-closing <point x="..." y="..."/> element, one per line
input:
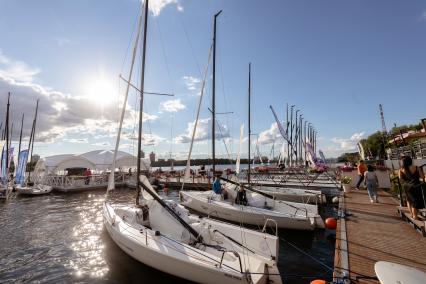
<point x="371" y="232"/>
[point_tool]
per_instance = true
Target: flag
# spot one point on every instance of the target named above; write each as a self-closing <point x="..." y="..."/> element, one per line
<point x="322" y="156"/>
<point x="361" y="150"/>
<point x="21" y="167"/>
<point x="280" y="127"/>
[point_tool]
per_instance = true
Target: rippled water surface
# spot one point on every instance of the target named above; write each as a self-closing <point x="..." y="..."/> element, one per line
<point x="60" y="238"/>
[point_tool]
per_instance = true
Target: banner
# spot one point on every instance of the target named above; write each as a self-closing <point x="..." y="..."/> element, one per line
<point x="312" y="158"/>
<point x="280" y="127"/>
<point x="322" y="156"/>
<point x="361" y="150"/>
<point x="21" y="167"/>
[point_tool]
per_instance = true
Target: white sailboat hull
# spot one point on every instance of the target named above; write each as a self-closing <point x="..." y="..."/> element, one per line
<point x="295" y="194"/>
<point x="291" y="219"/>
<point x="179" y="259"/>
<point x="37" y="189"/>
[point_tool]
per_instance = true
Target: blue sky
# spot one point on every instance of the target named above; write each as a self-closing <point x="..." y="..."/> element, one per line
<point x="335" y="60"/>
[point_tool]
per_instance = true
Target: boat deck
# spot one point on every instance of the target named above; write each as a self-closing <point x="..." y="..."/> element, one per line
<point x="372" y="232"/>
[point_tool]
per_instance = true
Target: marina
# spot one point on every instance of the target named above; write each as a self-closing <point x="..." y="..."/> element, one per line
<point x="174" y="141"/>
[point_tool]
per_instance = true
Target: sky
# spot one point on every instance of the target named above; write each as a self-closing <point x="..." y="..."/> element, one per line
<point x="336" y="61"/>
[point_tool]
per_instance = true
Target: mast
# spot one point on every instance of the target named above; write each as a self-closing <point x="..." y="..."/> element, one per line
<point x="288" y="146"/>
<point x="20" y="137"/>
<point x="249" y="125"/>
<point x="138" y="183"/>
<point x="32" y="137"/>
<point x="142" y="86"/>
<point x="111" y="183"/>
<point x="6" y="129"/>
<point x="214" y="95"/>
<point x="11" y="136"/>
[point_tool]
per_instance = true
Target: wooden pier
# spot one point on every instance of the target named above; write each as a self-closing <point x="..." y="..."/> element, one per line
<point x="372" y="232"/>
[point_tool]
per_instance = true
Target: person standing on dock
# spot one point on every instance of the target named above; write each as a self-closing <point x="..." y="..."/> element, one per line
<point x="361" y="170"/>
<point x="371" y="182"/>
<point x="410" y="176"/>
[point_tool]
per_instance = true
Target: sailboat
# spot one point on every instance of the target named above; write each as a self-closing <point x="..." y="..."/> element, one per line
<point x="259" y="207"/>
<point x="163" y="235"/>
<point x="5" y="188"/>
<point x="28" y="187"/>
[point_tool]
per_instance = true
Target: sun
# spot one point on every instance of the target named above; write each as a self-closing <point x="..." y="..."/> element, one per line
<point x="100" y="90"/>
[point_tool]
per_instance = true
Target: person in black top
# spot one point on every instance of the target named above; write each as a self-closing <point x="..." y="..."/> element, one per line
<point x="410" y="176"/>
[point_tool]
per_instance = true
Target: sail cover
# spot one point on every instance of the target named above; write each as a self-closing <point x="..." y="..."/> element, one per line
<point x="4" y="167"/>
<point x="237" y="166"/>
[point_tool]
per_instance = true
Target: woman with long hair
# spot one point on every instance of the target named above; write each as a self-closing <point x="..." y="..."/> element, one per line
<point x="411" y="177"/>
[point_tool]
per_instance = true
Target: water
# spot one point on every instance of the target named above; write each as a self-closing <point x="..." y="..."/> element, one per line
<point x="60" y="238"/>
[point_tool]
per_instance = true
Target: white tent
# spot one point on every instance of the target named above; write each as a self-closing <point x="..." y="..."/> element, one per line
<point x="98" y="160"/>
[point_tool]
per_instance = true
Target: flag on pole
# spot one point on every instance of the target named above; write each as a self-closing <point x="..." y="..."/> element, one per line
<point x="21" y="167"/>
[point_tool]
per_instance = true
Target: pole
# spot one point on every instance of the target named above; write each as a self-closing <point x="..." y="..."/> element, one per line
<point x="300" y="138"/>
<point x="20" y="137"/>
<point x="142" y="86"/>
<point x="249" y="126"/>
<point x="288" y="146"/>
<point x="7" y="141"/>
<point x="304" y="139"/>
<point x="214" y="95"/>
<point x="296" y="125"/>
<point x="32" y="137"/>
<point x="291" y="136"/>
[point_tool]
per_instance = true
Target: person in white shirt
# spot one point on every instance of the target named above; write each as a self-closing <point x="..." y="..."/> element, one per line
<point x="372" y="182"/>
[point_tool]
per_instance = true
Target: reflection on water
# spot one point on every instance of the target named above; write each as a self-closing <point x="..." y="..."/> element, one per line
<point x="87" y="245"/>
<point x="61" y="238"/>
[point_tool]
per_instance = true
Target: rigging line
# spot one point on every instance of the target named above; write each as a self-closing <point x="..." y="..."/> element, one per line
<point x="190" y="46"/>
<point x="223" y="140"/>
<point x="157" y="22"/>
<point x="130" y="41"/>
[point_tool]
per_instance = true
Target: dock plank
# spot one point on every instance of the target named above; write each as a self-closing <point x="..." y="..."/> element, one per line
<point x="374" y="232"/>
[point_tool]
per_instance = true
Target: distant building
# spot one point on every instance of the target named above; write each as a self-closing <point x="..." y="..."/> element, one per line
<point x="152" y="157"/>
<point x="142" y="154"/>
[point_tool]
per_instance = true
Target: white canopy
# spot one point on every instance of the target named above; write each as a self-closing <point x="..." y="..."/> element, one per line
<point x="98" y="160"/>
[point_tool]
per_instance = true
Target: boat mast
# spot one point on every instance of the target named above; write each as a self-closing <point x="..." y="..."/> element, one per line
<point x="6" y="129"/>
<point x="20" y="138"/>
<point x="32" y="137"/>
<point x="214" y="95"/>
<point x="138" y="183"/>
<point x="249" y="125"/>
<point x="142" y="88"/>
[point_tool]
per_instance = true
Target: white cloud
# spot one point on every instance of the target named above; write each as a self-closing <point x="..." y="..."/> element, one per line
<point x="270" y="135"/>
<point x="203" y="132"/>
<point x="62" y="41"/>
<point x="60" y="115"/>
<point x="172" y="106"/>
<point x="103" y="144"/>
<point x="156" y="6"/>
<point x="191" y="83"/>
<point x="423" y="16"/>
<point x="346" y="144"/>
<point x="152" y="139"/>
<point x="16" y="70"/>
<point x="76" y="140"/>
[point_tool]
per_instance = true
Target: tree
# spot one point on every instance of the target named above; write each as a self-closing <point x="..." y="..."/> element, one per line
<point x="349" y="158"/>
